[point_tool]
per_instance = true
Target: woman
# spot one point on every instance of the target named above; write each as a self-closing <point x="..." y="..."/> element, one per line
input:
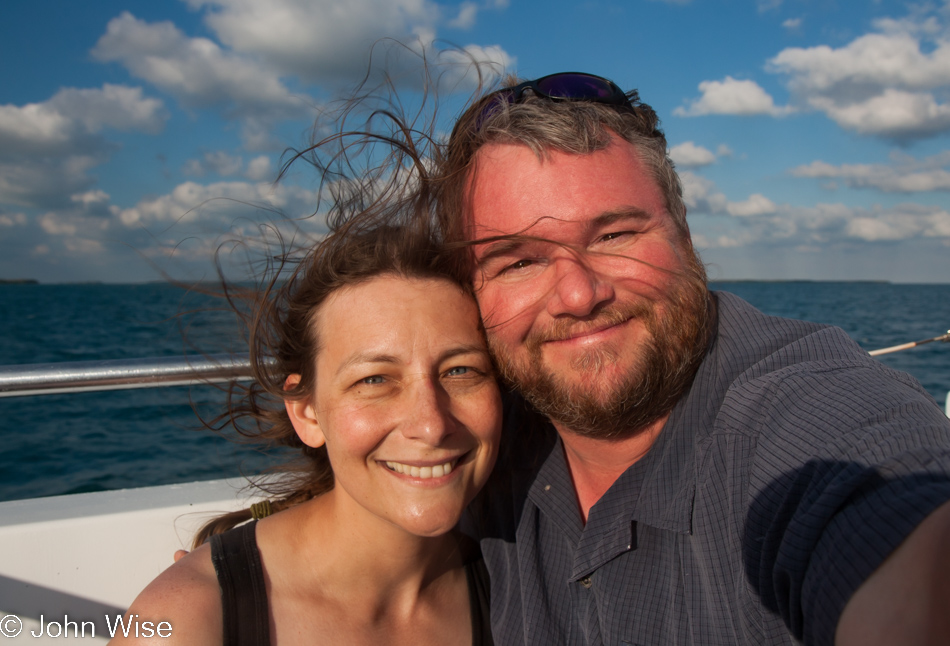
<point x="387" y="387"/>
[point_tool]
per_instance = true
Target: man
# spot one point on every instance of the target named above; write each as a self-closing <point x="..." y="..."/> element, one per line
<point x="710" y="475"/>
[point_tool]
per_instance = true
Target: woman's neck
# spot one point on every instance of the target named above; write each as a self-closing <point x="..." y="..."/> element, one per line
<point x="362" y="557"/>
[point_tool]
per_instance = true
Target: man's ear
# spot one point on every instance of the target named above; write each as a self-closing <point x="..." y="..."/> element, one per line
<point x="303" y="416"/>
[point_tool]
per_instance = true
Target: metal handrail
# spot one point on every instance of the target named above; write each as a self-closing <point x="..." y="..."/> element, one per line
<point x="89" y="376"/>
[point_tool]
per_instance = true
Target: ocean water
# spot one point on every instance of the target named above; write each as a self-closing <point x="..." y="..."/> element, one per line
<point x="59" y="444"/>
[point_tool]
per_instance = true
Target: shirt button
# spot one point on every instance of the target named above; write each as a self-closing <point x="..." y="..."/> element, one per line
<point x="586" y="582"/>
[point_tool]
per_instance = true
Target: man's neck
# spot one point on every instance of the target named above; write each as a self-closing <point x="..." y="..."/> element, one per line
<point x="596" y="464"/>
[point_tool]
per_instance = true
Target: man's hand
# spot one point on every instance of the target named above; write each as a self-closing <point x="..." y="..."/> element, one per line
<point x="906" y="600"/>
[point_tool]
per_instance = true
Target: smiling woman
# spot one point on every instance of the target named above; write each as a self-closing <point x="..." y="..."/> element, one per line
<point x="370" y="359"/>
<point x="382" y="378"/>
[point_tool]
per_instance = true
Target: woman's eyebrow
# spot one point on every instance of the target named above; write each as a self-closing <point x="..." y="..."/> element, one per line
<point x="463" y="349"/>
<point x="365" y="357"/>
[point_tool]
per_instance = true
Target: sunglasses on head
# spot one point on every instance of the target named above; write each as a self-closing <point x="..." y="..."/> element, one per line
<point x="564" y="86"/>
<point x="568" y="86"/>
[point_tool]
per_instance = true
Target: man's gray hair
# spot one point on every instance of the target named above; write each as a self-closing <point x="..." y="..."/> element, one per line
<point x="543" y="125"/>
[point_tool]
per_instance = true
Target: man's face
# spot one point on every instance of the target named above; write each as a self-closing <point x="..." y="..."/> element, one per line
<point x="597" y="312"/>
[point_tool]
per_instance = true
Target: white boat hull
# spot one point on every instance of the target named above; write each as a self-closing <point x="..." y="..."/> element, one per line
<point x="69" y="562"/>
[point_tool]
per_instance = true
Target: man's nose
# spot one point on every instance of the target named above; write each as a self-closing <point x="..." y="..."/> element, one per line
<point x="428" y="417"/>
<point x="578" y="289"/>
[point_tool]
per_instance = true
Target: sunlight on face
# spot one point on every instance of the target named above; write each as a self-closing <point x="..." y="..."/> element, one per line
<point x="406" y="401"/>
<point x="597" y="311"/>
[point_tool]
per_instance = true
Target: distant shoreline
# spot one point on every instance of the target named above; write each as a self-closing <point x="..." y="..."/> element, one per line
<point x="19" y="281"/>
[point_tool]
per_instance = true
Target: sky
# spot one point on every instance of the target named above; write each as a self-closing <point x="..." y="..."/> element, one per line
<point x="812" y="137"/>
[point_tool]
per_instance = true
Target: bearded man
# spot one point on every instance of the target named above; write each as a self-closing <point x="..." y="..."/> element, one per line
<point x="686" y="470"/>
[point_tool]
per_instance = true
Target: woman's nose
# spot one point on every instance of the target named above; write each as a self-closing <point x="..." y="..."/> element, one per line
<point x="428" y="418"/>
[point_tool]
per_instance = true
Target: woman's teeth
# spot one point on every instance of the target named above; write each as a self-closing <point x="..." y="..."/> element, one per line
<point x="424" y="473"/>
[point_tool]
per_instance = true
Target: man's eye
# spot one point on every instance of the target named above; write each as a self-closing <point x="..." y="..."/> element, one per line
<point x="524" y="263"/>
<point x="372" y="381"/>
<point x="457" y="371"/>
<point x="614" y="235"/>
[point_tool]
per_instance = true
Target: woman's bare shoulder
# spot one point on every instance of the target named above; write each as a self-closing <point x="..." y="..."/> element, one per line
<point x="186" y="597"/>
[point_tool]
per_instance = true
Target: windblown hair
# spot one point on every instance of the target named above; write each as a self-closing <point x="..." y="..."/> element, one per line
<point x="543" y="125"/>
<point x="381" y="222"/>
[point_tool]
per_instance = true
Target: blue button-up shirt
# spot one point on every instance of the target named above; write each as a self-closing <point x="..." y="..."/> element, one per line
<point x="789" y="471"/>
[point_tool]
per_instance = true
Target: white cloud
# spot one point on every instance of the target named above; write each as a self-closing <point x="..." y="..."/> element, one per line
<point x="792" y="24"/>
<point x="328" y="40"/>
<point x="465" y="19"/>
<point x="68" y="122"/>
<point x="219" y="202"/>
<point x="716" y="222"/>
<point x="46" y="182"/>
<point x="872" y="61"/>
<point x="114" y="106"/>
<point x="732" y="96"/>
<point x="900" y="223"/>
<point x="689" y="155"/>
<point x="259" y="169"/>
<point x="323" y="42"/>
<point x="218" y="162"/>
<point x="196" y="70"/>
<point x="893" y="113"/>
<point x="701" y="195"/>
<point x="889" y="84"/>
<point x="755" y="204"/>
<point x="905" y="175"/>
<point x="48" y="148"/>
<point x="12" y="219"/>
<point x="94" y="203"/>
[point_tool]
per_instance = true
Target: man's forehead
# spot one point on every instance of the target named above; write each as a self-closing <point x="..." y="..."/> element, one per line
<point x="508" y="181"/>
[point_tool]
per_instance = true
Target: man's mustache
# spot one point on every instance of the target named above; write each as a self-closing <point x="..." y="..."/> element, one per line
<point x="566" y="328"/>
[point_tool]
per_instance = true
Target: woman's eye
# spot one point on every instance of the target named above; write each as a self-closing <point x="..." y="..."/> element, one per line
<point x="458" y="371"/>
<point x="372" y="381"/>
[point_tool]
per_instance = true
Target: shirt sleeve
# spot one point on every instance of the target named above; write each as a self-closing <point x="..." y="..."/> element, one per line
<point x="849" y="459"/>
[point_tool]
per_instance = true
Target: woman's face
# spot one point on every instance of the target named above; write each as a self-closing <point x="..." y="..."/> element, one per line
<point x="405" y="401"/>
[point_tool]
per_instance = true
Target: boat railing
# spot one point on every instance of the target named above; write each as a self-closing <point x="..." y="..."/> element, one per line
<point x="121" y="374"/>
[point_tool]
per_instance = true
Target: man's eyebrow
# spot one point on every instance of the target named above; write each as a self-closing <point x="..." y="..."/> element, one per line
<point x="498" y="248"/>
<point x="506" y="246"/>
<point x="620" y="215"/>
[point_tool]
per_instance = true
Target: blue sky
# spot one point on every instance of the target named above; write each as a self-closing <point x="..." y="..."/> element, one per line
<point x="811" y="135"/>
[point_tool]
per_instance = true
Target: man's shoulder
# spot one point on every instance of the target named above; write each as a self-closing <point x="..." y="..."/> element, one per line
<point x="772" y="369"/>
<point x="751" y="345"/>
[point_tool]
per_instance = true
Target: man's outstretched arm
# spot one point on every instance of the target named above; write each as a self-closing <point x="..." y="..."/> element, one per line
<point x="906" y="600"/>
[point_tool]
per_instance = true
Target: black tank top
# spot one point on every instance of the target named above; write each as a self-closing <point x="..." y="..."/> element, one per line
<point x="237" y="563"/>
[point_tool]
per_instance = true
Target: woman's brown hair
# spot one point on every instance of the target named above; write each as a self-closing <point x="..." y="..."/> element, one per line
<point x="381" y="220"/>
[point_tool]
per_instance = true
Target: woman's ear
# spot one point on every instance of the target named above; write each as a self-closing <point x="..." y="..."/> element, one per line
<point x="303" y="416"/>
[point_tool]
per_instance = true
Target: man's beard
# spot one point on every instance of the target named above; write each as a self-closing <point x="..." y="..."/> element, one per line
<point x="661" y="372"/>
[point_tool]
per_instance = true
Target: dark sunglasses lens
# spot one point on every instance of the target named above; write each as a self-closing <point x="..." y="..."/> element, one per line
<point x="576" y="86"/>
